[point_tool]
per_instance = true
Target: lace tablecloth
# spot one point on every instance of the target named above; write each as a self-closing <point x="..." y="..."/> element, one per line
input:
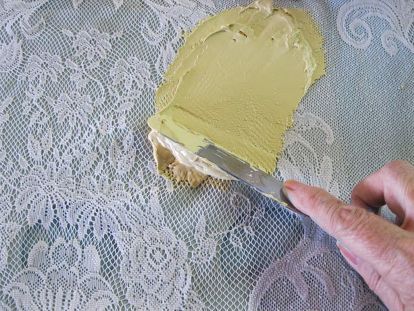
<point x="85" y="221"/>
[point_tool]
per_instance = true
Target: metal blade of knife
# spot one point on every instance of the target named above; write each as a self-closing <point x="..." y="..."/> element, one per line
<point x="259" y="180"/>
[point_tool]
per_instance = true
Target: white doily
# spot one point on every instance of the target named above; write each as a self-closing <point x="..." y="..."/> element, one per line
<point x="85" y="221"/>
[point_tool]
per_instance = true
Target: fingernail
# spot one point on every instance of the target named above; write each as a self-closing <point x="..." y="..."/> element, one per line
<point x="349" y="256"/>
<point x="290" y="185"/>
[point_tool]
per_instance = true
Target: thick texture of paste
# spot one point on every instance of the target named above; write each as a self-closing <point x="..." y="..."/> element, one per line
<point x="169" y="154"/>
<point x="170" y="167"/>
<point x="237" y="81"/>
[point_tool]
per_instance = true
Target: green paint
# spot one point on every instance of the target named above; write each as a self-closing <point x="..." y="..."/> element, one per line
<point x="238" y="79"/>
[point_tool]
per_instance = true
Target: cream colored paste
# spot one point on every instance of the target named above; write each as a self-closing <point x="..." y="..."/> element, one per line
<point x="237" y="81"/>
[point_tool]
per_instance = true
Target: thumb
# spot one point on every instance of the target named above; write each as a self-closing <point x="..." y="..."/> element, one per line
<point x="368" y="236"/>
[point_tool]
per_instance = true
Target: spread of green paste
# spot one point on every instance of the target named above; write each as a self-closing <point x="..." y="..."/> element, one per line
<point x="238" y="79"/>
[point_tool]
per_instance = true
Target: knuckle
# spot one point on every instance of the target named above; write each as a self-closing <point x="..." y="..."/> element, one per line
<point x="409" y="189"/>
<point x="402" y="172"/>
<point x="403" y="252"/>
<point x="409" y="193"/>
<point x="396" y="166"/>
<point x="323" y="201"/>
<point x="350" y="220"/>
<point x="318" y="198"/>
<point x="355" y="191"/>
<point x="387" y="252"/>
<point x="333" y="210"/>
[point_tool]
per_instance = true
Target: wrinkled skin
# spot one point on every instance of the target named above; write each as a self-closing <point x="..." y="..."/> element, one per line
<point x="380" y="251"/>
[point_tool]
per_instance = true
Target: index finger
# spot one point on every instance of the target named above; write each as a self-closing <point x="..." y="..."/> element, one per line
<point x="367" y="235"/>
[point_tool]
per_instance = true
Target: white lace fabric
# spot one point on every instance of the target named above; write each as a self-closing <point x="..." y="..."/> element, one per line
<point x="85" y="221"/>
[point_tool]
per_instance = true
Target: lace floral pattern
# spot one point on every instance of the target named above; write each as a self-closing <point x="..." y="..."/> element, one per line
<point x="8" y="229"/>
<point x="156" y="271"/>
<point x="41" y="68"/>
<point x="72" y="108"/>
<point x="318" y="170"/>
<point x="17" y="13"/>
<point x="86" y="222"/>
<point x="354" y="17"/>
<point x="293" y="271"/>
<point x="60" y="277"/>
<point x="44" y="190"/>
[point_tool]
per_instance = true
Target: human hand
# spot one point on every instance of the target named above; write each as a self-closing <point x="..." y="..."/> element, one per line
<point x="381" y="252"/>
